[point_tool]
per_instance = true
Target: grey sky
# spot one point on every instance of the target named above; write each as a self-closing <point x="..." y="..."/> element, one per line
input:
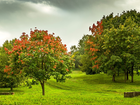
<point x="69" y="19"/>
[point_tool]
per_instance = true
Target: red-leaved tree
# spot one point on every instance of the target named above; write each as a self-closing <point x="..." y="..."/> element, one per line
<point x="40" y="56"/>
<point x="93" y="45"/>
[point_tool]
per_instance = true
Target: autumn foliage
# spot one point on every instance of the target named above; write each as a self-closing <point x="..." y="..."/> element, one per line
<point x="92" y="43"/>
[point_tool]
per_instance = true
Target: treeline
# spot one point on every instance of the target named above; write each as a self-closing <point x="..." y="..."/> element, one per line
<point x="112" y="48"/>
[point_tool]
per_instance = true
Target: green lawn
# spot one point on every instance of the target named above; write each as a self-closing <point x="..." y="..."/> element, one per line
<point x="81" y="89"/>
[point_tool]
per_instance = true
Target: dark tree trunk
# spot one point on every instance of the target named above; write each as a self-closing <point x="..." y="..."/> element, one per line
<point x="11" y="88"/>
<point x="125" y="78"/>
<point x="132" y="72"/>
<point x="114" y="73"/>
<point x="42" y="85"/>
<point x="127" y="75"/>
<point x="113" y="78"/>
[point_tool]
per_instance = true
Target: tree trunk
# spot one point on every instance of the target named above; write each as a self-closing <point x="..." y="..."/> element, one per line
<point x="127" y="75"/>
<point x="42" y="85"/>
<point x="11" y="88"/>
<point x="132" y="72"/>
<point x="113" y="78"/>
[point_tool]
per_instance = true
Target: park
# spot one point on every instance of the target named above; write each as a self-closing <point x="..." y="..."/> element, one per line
<point x="37" y="69"/>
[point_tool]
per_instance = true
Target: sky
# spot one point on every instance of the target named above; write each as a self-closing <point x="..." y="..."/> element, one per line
<point x="68" y="19"/>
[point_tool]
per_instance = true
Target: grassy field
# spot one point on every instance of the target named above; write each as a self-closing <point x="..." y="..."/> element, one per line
<point x="81" y="89"/>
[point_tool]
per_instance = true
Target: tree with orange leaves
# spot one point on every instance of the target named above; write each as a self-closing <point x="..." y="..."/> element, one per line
<point x="93" y="45"/>
<point x="8" y="80"/>
<point x="40" y="56"/>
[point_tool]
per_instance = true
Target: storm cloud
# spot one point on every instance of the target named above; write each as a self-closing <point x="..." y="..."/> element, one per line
<point x="69" y="19"/>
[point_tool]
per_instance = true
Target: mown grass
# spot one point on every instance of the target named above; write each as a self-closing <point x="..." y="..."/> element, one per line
<point x="81" y="89"/>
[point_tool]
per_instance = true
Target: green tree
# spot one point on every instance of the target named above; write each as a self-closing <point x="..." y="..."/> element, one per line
<point x="73" y="49"/>
<point x="123" y="42"/>
<point x="100" y="55"/>
<point x="79" y="51"/>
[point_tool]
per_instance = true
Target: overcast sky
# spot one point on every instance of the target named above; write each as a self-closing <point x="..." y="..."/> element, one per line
<point x="69" y="19"/>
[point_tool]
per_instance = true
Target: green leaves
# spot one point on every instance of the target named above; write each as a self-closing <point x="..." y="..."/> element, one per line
<point x="121" y="35"/>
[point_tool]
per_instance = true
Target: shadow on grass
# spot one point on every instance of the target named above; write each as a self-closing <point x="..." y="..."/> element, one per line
<point x="8" y="90"/>
<point x="105" y="79"/>
<point x="95" y="79"/>
<point x="99" y="82"/>
<point x="58" y="86"/>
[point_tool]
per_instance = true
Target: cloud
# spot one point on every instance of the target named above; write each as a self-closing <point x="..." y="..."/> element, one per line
<point x="72" y="5"/>
<point x="128" y="4"/>
<point x="4" y="36"/>
<point x="69" y="19"/>
<point x="7" y="1"/>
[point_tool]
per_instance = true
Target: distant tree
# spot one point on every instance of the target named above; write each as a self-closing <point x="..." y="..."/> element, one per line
<point x="81" y="44"/>
<point x="79" y="51"/>
<point x="73" y="49"/>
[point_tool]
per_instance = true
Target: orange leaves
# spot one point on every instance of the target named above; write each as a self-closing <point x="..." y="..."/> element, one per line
<point x="93" y="58"/>
<point x="93" y="49"/>
<point x="67" y="69"/>
<point x="89" y="42"/>
<point x="5" y="49"/>
<point x="54" y="66"/>
<point x="46" y="37"/>
<point x="7" y="69"/>
<point x="97" y="66"/>
<point x="92" y="54"/>
<point x="64" y="45"/>
<point x="96" y="29"/>
<point x="20" y="72"/>
<point x="96" y="61"/>
<point x="61" y="61"/>
<point x="65" y="49"/>
<point x="41" y="49"/>
<point x="39" y="43"/>
<point x="100" y="33"/>
<point x="93" y="42"/>
<point x="23" y="46"/>
<point x="9" y="52"/>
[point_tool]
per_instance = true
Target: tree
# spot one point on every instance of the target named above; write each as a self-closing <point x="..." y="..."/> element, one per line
<point x="123" y="42"/>
<point x="73" y="49"/>
<point x="9" y="81"/>
<point x="78" y="52"/>
<point x="93" y="46"/>
<point x="40" y="56"/>
<point x="103" y="56"/>
<point x="81" y="44"/>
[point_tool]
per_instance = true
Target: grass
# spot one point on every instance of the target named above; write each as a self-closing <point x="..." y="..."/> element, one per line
<point x="81" y="89"/>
